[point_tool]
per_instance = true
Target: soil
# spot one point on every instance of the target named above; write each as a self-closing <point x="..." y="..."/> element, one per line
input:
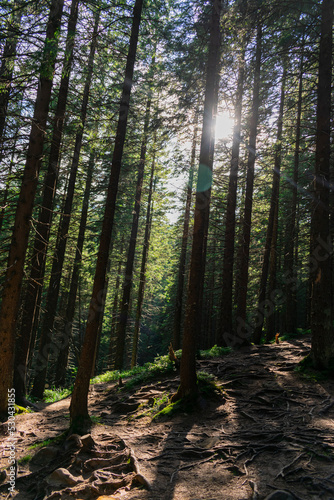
<point x="271" y="428"/>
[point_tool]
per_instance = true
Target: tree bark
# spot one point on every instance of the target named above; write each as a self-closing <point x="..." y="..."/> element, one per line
<point x="242" y="279"/>
<point x="32" y="298"/>
<point x="272" y="280"/>
<point x="266" y="307"/>
<point x="46" y="343"/>
<point x="127" y="286"/>
<point x="70" y="309"/>
<point x="19" y="243"/>
<point x="78" y="407"/>
<point x="322" y="352"/>
<point x="228" y="259"/>
<point x="193" y="315"/>
<point x="291" y="229"/>
<point x="114" y="316"/>
<point x="183" y="255"/>
<point x="142" y="277"/>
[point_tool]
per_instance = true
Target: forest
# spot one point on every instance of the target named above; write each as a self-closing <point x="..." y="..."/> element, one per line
<point x="166" y="184"/>
<point x="166" y="210"/>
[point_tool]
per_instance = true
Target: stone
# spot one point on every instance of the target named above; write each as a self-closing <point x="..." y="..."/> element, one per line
<point x="62" y="477"/>
<point x="87" y="442"/>
<point x="44" y="455"/>
<point x="73" y="442"/>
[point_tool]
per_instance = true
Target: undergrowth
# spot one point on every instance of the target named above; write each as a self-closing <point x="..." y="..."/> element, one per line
<point x="307" y="370"/>
<point x="215" y="352"/>
<point x="287" y="336"/>
<point x="22" y="409"/>
<point x="53" y="395"/>
<point x="47" y="442"/>
<point x="161" y="366"/>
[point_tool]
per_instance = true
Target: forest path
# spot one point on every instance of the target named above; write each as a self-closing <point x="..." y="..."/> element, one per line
<point x="272" y="429"/>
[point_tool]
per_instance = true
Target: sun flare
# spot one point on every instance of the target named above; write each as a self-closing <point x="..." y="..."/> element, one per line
<point x="224" y="126"/>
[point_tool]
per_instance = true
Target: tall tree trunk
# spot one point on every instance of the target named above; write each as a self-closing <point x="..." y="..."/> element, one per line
<point x="70" y="309"/>
<point x="322" y="352"/>
<point x="127" y="286"/>
<point x="7" y="66"/>
<point x="183" y="255"/>
<point x="31" y="303"/>
<point x="19" y="243"/>
<point x="193" y="316"/>
<point x="114" y="316"/>
<point x="242" y="277"/>
<point x="267" y="307"/>
<point x="142" y="276"/>
<point x="272" y="280"/>
<point x="46" y="342"/>
<point x="78" y="407"/>
<point x="208" y="337"/>
<point x="228" y="260"/>
<point x="99" y="333"/>
<point x="291" y="229"/>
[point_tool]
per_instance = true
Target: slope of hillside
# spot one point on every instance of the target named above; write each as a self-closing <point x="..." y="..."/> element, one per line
<point x="268" y="428"/>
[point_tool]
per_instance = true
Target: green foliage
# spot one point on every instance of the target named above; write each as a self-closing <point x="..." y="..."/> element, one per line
<point x="47" y="442"/>
<point x="215" y="352"/>
<point x="204" y="377"/>
<point x="158" y="405"/>
<point x="53" y="395"/>
<point x="95" y="419"/>
<point x="170" y="410"/>
<point x="22" y="409"/>
<point x="306" y="369"/>
<point x="139" y="374"/>
<point x="299" y="332"/>
<point x="25" y="459"/>
<point x="207" y="385"/>
<point x="160" y="367"/>
<point x="109" y="376"/>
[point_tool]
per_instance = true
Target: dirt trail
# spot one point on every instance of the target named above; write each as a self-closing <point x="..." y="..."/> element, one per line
<point x="272" y="429"/>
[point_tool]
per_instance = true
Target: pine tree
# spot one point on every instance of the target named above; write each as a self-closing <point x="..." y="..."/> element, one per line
<point x="78" y="407"/>
<point x="32" y="298"/>
<point x="188" y="378"/>
<point x="71" y="302"/>
<point x="291" y="229"/>
<point x="20" y="235"/>
<point x="242" y="277"/>
<point x="266" y="307"/>
<point x="7" y="65"/>
<point x="45" y="341"/>
<point x="128" y="277"/>
<point x="185" y="234"/>
<point x="322" y="352"/>
<point x="228" y="259"/>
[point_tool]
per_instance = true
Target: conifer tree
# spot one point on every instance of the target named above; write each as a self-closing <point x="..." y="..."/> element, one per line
<point x="188" y="378"/>
<point x="128" y="277"/>
<point x="185" y="234"/>
<point x="20" y="235"/>
<point x="322" y="352"/>
<point x="32" y="298"/>
<point x="45" y="341"/>
<point x="267" y="308"/>
<point x="78" y="407"/>
<point x="142" y="276"/>
<point x="243" y="273"/>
